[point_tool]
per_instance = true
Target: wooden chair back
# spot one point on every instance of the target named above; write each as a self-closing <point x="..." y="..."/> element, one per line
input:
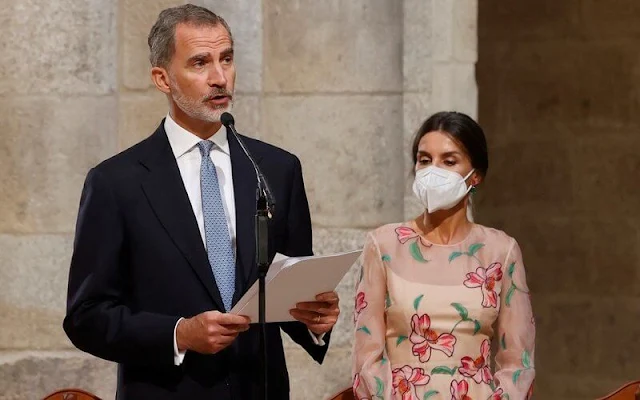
<point x="71" y="394"/>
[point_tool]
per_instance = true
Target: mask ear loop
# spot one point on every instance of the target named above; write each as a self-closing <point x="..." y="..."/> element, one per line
<point x="471" y="188"/>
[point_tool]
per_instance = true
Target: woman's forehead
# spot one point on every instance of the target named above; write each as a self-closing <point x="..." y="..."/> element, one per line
<point x="439" y="142"/>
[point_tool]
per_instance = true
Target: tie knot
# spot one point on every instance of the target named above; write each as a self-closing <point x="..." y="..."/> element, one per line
<point x="205" y="147"/>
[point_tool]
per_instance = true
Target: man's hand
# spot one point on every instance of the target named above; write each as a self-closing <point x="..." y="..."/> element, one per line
<point x="321" y="315"/>
<point x="209" y="332"/>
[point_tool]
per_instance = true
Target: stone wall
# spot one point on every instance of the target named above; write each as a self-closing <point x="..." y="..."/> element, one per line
<point x="559" y="84"/>
<point x="59" y="107"/>
<point x="343" y="84"/>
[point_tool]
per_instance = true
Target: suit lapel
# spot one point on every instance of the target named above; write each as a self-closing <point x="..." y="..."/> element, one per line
<point x="244" y="187"/>
<point x="168" y="198"/>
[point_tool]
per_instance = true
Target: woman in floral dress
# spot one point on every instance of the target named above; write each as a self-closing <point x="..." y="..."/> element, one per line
<point x="436" y="291"/>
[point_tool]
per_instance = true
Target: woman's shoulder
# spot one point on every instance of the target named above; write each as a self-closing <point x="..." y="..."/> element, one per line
<point x="388" y="229"/>
<point x="495" y="236"/>
<point x="389" y="232"/>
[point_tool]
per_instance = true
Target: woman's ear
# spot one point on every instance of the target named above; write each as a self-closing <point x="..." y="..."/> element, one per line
<point x="476" y="179"/>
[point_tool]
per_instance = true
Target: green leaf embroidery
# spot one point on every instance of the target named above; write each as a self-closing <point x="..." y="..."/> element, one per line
<point x="380" y="385"/>
<point x="429" y="394"/>
<point x="512" y="267"/>
<point x="444" y="370"/>
<point x="414" y="249"/>
<point x="455" y="255"/>
<point x="464" y="314"/>
<point x="365" y="330"/>
<point x="473" y="249"/>
<point x="416" y="302"/>
<point x="386" y="257"/>
<point x="505" y="396"/>
<point x="516" y="375"/>
<point x="526" y="359"/>
<point x="492" y="385"/>
<point x="383" y="361"/>
<point x="477" y="327"/>
<point x="387" y="301"/>
<point x="361" y="274"/>
<point x="510" y="293"/>
<point x="400" y="340"/>
<point x="503" y="342"/>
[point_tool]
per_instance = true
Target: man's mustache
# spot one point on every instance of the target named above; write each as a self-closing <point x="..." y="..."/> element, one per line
<point x="217" y="92"/>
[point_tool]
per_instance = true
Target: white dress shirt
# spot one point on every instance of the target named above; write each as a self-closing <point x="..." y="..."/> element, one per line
<point x="184" y="147"/>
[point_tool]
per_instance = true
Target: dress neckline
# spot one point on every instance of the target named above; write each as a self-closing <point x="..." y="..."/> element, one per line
<point x="412" y="224"/>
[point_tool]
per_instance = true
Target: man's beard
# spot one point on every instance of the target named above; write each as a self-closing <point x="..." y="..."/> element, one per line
<point x="198" y="108"/>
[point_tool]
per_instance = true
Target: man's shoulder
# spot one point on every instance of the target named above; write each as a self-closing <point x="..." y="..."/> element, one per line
<point x="269" y="151"/>
<point x="122" y="161"/>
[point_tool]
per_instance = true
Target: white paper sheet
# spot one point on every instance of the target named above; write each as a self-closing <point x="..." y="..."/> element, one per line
<point x="291" y="280"/>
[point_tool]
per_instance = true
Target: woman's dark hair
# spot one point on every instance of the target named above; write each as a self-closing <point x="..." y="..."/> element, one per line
<point x="464" y="130"/>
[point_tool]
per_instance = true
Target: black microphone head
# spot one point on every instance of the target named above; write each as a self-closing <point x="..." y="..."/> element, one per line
<point x="227" y="119"/>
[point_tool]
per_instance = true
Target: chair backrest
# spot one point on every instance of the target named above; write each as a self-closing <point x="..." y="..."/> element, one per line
<point x="630" y="391"/>
<point x="71" y="394"/>
<point x="346" y="394"/>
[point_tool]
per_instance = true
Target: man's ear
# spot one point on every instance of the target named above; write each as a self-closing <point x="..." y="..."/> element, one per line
<point x="160" y="78"/>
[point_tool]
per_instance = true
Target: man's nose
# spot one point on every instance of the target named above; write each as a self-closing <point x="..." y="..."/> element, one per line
<point x="216" y="76"/>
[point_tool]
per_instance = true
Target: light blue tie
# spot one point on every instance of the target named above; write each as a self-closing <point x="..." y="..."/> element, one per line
<point x="219" y="247"/>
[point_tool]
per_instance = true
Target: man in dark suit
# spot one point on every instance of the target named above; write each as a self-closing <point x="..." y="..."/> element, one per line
<point x="165" y="241"/>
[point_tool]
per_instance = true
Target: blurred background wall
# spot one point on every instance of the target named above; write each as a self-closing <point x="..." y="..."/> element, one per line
<point x="344" y="84"/>
<point x="559" y="85"/>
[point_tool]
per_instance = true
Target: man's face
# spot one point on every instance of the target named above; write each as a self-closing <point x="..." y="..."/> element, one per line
<point x="202" y="72"/>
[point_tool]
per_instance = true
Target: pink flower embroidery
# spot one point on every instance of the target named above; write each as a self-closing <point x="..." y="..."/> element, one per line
<point x="486" y="280"/>
<point x="356" y="385"/>
<point x="406" y="379"/>
<point x="361" y="304"/>
<point x="497" y="395"/>
<point x="424" y="339"/>
<point x="405" y="234"/>
<point x="478" y="369"/>
<point x="459" y="390"/>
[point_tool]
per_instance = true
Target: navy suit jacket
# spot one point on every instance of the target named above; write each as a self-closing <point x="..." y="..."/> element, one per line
<point x="139" y="264"/>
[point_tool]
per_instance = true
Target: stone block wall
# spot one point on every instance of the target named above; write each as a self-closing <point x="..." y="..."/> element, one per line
<point x="343" y="84"/>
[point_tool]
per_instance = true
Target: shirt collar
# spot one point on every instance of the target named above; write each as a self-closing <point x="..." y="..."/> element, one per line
<point x="182" y="141"/>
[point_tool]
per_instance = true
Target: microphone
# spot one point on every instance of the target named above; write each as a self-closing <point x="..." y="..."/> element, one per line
<point x="263" y="187"/>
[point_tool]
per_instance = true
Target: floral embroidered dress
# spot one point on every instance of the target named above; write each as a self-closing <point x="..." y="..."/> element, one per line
<point x="425" y="317"/>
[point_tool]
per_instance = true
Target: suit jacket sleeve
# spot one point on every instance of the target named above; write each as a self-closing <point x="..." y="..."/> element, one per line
<point x="299" y="243"/>
<point x="98" y="320"/>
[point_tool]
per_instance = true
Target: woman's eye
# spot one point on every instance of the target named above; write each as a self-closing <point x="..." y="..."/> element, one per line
<point x="424" y="161"/>
<point x="450" y="163"/>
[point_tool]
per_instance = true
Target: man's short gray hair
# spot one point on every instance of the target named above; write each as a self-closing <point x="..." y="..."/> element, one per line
<point x="162" y="36"/>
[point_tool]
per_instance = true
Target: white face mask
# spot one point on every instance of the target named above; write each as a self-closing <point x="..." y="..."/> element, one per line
<point x="440" y="189"/>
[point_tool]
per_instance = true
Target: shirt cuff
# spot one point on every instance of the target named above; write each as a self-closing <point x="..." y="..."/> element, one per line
<point x="317" y="339"/>
<point x="178" y="356"/>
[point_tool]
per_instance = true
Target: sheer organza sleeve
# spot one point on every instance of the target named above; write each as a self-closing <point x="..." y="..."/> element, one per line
<point x="371" y="369"/>
<point x="515" y="370"/>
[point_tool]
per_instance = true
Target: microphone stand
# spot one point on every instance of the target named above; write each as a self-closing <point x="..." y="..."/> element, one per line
<point x="264" y="205"/>
<point x="262" y="259"/>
